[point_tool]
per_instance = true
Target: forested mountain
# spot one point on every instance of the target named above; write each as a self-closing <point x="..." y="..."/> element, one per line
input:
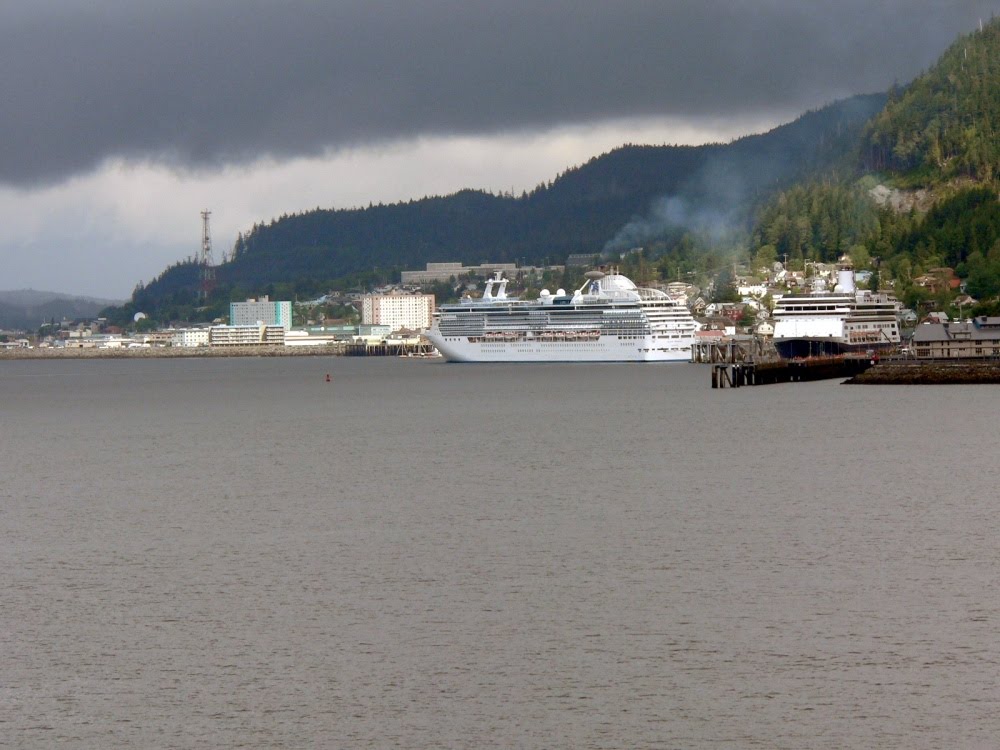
<point x="935" y="147"/>
<point x="627" y="197"/>
<point x="582" y="210"/>
<point x="946" y="124"/>
<point x="802" y="192"/>
<point x="26" y="309"/>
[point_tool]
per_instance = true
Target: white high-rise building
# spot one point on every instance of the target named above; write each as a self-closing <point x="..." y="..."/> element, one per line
<point x="262" y="310"/>
<point x="190" y="337"/>
<point x="413" y="311"/>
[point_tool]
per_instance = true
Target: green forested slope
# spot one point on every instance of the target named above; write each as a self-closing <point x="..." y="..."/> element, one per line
<point x="936" y="143"/>
<point x="815" y="221"/>
<point x="946" y="124"/>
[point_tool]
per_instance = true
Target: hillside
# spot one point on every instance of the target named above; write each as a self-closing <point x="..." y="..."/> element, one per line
<point x="585" y="209"/>
<point x="27" y="309"/>
<point x="938" y="135"/>
<point x="802" y="192"/>
<point x="946" y="123"/>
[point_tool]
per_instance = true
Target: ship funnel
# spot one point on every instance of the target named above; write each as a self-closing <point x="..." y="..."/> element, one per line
<point x="845" y="278"/>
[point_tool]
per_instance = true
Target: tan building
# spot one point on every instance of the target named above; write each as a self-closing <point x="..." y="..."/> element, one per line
<point x="447" y="271"/>
<point x="971" y="339"/>
<point x="412" y="311"/>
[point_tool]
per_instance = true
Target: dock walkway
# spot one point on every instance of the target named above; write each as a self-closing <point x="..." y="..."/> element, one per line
<point x="788" y="371"/>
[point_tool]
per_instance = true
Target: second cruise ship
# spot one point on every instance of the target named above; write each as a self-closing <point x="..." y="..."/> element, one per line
<point x="847" y="320"/>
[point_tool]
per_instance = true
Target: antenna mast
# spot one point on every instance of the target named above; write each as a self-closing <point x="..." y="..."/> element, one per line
<point x="207" y="272"/>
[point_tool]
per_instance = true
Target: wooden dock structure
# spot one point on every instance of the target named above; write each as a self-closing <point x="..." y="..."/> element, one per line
<point x="387" y="349"/>
<point x="740" y="349"/>
<point x="741" y="374"/>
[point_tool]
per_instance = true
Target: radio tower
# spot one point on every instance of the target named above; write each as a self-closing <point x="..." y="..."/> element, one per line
<point x="207" y="264"/>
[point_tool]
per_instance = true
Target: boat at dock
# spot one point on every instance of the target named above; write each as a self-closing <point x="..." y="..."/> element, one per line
<point x="846" y="320"/>
<point x="608" y="319"/>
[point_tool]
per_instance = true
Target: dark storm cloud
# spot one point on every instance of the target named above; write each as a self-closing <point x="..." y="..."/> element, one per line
<point x="214" y="81"/>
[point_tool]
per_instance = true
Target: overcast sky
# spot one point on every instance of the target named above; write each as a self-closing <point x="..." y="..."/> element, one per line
<point x="123" y="120"/>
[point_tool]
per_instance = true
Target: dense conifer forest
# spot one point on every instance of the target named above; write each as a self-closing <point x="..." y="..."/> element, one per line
<point x="945" y="124"/>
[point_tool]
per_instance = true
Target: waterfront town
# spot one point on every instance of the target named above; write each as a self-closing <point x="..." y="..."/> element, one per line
<point x="392" y="319"/>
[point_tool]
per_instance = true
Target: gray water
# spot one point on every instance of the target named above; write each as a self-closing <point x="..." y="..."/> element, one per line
<point x="237" y="553"/>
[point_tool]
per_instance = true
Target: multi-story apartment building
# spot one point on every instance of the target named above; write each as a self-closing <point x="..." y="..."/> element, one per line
<point x="250" y="335"/>
<point x="262" y="310"/>
<point x="188" y="337"/>
<point x="413" y="311"/>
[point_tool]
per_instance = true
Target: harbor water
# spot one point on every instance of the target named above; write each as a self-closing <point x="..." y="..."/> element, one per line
<point x="241" y="553"/>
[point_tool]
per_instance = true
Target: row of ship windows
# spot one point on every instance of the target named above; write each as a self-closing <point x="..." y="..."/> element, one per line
<point x="620" y="336"/>
<point x="502" y="345"/>
<point x="578" y="345"/>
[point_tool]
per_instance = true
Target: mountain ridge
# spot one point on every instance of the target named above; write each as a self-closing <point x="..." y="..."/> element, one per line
<point x="29" y="296"/>
<point x="582" y="209"/>
<point x="27" y="309"/>
<point x="801" y="191"/>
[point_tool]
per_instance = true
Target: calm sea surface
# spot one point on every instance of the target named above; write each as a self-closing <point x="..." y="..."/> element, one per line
<point x="237" y="553"/>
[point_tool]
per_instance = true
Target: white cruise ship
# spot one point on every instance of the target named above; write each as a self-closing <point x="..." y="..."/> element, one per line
<point x="608" y="319"/>
<point x="846" y="320"/>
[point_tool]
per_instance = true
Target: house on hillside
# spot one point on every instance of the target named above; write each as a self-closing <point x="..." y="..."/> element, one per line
<point x="764" y="329"/>
<point x="964" y="300"/>
<point x="938" y="280"/>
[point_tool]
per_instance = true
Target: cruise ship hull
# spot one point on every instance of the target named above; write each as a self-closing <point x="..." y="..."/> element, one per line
<point x="604" y="349"/>
<point x="800" y="348"/>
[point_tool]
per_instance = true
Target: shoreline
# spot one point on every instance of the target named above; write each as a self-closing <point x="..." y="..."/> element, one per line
<point x="173" y="352"/>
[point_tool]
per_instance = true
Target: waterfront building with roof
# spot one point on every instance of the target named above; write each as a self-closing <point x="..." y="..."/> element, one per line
<point x="978" y="338"/>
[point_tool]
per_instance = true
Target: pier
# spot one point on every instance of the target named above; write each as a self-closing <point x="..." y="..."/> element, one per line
<point x="737" y="350"/>
<point x="741" y="374"/>
<point x="387" y="349"/>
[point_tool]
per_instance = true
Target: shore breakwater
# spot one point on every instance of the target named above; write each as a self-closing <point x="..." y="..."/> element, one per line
<point x="952" y="372"/>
